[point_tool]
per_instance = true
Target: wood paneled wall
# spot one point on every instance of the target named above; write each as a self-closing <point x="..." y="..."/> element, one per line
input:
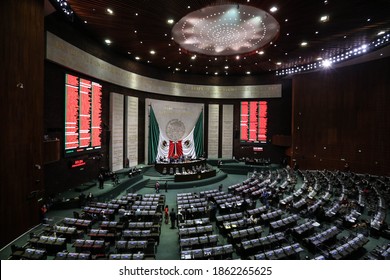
<point x="342" y="116"/>
<point x="21" y="112"/>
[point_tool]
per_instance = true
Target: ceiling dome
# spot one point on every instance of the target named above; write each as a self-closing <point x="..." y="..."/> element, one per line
<point x="225" y="30"/>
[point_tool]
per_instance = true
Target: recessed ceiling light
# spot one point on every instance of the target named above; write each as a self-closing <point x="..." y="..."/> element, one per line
<point x="216" y="73"/>
<point x="111" y="12"/>
<point x="237" y="57"/>
<point x="317" y="32"/>
<point x="273" y="9"/>
<point x="381" y="33"/>
<point x="304" y="44"/>
<point x="135" y="31"/>
<point x="170" y="21"/>
<point x="108" y="41"/>
<point x="137" y="58"/>
<point x="327" y="63"/>
<point x="319" y="58"/>
<point x="129" y="52"/>
<point x="188" y="7"/>
<point x="261" y="52"/>
<point x="152" y="52"/>
<point x="324" y="18"/>
<point x="193" y="57"/>
<point x="85" y="21"/>
<point x="226" y="67"/>
<point x="368" y="19"/>
<point x="278" y="63"/>
<point x="248" y="72"/>
<point x="136" y="14"/>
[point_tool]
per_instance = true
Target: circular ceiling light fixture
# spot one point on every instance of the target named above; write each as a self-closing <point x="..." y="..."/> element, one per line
<point x="225" y="30"/>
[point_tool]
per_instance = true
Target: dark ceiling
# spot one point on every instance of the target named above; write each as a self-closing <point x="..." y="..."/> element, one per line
<point x="136" y="27"/>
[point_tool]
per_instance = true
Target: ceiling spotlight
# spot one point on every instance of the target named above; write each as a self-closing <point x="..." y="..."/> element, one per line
<point x="381" y="33"/>
<point x="237" y="57"/>
<point x="326" y="63"/>
<point x="304" y="44"/>
<point x="137" y="58"/>
<point x="273" y="9"/>
<point x="152" y="52"/>
<point x="108" y="41"/>
<point x="261" y="52"/>
<point x="111" y="12"/>
<point x="248" y="72"/>
<point x="193" y="57"/>
<point x="324" y="18"/>
<point x="278" y="63"/>
<point x="216" y="73"/>
<point x="170" y="21"/>
<point x="226" y="67"/>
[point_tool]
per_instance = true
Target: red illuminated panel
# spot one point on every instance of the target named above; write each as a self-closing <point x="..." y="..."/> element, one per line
<point x="263" y="115"/>
<point x="83" y="110"/>
<point x="78" y="163"/>
<point x="253" y="121"/>
<point x="244" y="121"/>
<point x="96" y="114"/>
<point x="71" y="113"/>
<point x="85" y="113"/>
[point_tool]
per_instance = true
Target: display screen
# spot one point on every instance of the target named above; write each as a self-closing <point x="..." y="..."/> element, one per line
<point x="253" y="122"/>
<point x="83" y="111"/>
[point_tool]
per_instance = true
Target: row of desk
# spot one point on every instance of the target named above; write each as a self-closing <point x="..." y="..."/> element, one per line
<point x="238" y="235"/>
<point x="92" y="246"/>
<point x="72" y="256"/>
<point x="137" y="256"/>
<point x="199" y="241"/>
<point x="50" y="244"/>
<point x="198" y="230"/>
<point x="284" y="223"/>
<point x="195" y="222"/>
<point x="222" y="252"/>
<point x="322" y="237"/>
<point x="348" y="248"/>
<point x="304" y="229"/>
<point x="285" y="252"/>
<point x="248" y="247"/>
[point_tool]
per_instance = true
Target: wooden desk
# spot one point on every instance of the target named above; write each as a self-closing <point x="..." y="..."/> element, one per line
<point x="187" y="165"/>
<point x="195" y="176"/>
